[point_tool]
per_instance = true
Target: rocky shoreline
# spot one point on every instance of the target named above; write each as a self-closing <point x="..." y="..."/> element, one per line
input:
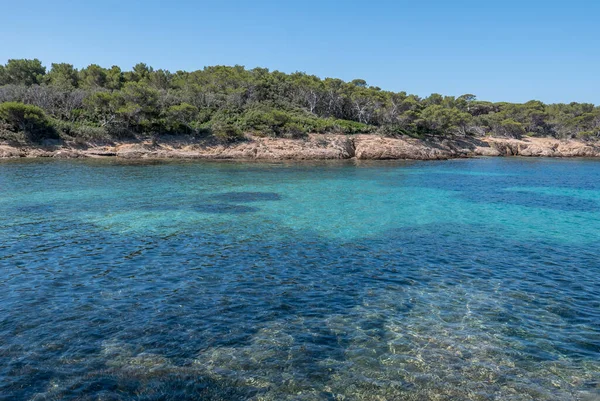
<point x="315" y="147"/>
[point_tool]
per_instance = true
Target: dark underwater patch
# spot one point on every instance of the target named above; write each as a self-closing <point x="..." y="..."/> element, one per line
<point x="216" y="208"/>
<point x="244" y="197"/>
<point x="529" y="199"/>
<point x="493" y="189"/>
<point x="34" y="209"/>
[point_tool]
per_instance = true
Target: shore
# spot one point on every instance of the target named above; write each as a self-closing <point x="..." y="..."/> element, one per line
<point x="315" y="147"/>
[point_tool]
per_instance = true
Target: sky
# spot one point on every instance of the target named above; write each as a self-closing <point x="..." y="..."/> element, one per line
<point x="498" y="50"/>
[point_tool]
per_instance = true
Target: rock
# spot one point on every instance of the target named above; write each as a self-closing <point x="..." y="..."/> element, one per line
<point x="67" y="154"/>
<point x="314" y="147"/>
<point x="134" y="151"/>
<point x="371" y="147"/>
<point x="486" y="151"/>
<point x="39" y="153"/>
<point x="322" y="147"/>
<point x="101" y="153"/>
<point x="544" y="147"/>
<point x="9" y="152"/>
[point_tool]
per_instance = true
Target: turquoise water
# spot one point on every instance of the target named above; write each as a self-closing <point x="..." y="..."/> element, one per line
<point x="456" y="280"/>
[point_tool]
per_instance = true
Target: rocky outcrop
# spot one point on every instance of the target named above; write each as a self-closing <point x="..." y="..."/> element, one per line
<point x="9" y="152"/>
<point x="67" y="154"/>
<point x="540" y="147"/>
<point x="134" y="151"/>
<point x="371" y="147"/>
<point x="318" y="147"/>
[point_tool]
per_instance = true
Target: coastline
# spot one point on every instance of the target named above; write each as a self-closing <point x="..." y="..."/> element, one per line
<point x="314" y="147"/>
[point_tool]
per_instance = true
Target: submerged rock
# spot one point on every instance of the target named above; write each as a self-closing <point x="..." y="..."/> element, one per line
<point x="243" y="197"/>
<point x="215" y="208"/>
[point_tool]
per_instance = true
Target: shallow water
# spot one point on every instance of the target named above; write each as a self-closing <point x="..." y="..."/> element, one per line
<point x="464" y="279"/>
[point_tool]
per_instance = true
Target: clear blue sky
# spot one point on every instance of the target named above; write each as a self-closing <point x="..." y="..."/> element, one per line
<point x="502" y="50"/>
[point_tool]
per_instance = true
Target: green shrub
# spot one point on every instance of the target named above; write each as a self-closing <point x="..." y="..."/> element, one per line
<point x="179" y="118"/>
<point x="68" y="130"/>
<point x="7" y="135"/>
<point x="589" y="135"/>
<point x="294" y="123"/>
<point x="226" y="132"/>
<point x="395" y="131"/>
<point x="352" y="127"/>
<point x="31" y="120"/>
<point x="294" y="130"/>
<point x="265" y="121"/>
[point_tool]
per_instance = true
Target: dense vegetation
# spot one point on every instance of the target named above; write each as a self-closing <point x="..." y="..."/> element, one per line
<point x="97" y="103"/>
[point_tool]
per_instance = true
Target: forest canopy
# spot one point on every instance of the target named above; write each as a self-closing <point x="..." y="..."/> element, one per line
<point x="97" y="103"/>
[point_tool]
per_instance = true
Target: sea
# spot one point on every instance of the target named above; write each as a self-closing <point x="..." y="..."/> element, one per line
<point x="469" y="279"/>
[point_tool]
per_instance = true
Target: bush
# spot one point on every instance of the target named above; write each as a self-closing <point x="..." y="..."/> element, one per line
<point x="589" y="135"/>
<point x="226" y="132"/>
<point x="31" y="120"/>
<point x="225" y="126"/>
<point x="351" y="127"/>
<point x="265" y="122"/>
<point x="294" y="130"/>
<point x="295" y="123"/>
<point x="179" y="118"/>
<point x="7" y="135"/>
<point x="68" y="130"/>
<point x="393" y="131"/>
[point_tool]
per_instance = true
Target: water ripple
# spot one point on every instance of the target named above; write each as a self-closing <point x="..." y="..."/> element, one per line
<point x="114" y="290"/>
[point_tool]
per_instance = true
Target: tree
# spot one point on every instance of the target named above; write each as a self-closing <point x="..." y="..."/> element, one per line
<point x="138" y="106"/>
<point x="22" y="72"/>
<point x="334" y="99"/>
<point x="468" y="98"/>
<point x="364" y="104"/>
<point x="63" y="75"/>
<point x="141" y="73"/>
<point x="443" y="120"/>
<point x="308" y="90"/>
<point x="510" y="128"/>
<point x="93" y="77"/>
<point x="114" y="78"/>
<point x="142" y="95"/>
<point x="181" y="116"/>
<point x="148" y="101"/>
<point x="434" y="99"/>
<point x="102" y="106"/>
<point x="160" y="79"/>
<point x="361" y="83"/>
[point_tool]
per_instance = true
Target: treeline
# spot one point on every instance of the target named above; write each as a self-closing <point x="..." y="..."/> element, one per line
<point x="107" y="103"/>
